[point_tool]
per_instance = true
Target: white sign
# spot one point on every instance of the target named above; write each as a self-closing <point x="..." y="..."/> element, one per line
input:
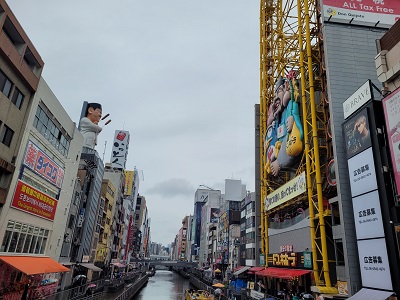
<point x="374" y="264"/>
<point x="119" y="152"/>
<point x="289" y="190"/>
<point x="362" y="173"/>
<point x="85" y="258"/>
<point x="368" y="216"/>
<point x="358" y="99"/>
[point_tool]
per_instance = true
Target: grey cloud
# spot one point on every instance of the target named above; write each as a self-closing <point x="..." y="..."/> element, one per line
<point x="172" y="187"/>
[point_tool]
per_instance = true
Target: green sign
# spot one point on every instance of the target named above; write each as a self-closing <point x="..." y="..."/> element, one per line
<point x="307" y="259"/>
<point x="262" y="259"/>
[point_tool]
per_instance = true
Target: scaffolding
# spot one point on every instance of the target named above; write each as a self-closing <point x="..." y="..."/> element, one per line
<point x="291" y="41"/>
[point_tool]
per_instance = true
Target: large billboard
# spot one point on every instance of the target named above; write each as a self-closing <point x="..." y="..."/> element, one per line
<point x="283" y="141"/>
<point x="36" y="160"/>
<point x="33" y="201"/>
<point x="391" y="107"/>
<point x="119" y="152"/>
<point x="381" y="13"/>
<point x="357" y="134"/>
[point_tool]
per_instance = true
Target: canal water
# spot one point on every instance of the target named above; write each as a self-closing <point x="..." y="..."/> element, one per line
<point x="164" y="285"/>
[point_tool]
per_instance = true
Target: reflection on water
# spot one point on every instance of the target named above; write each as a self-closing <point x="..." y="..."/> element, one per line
<point x="164" y="285"/>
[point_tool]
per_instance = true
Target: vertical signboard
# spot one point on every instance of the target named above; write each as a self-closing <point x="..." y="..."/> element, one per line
<point x="128" y="182"/>
<point x="363" y="12"/>
<point x="391" y="108"/>
<point x="373" y="254"/>
<point x="119" y="152"/>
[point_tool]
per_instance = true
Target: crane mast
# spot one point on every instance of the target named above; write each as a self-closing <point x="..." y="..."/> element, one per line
<point x="291" y="41"/>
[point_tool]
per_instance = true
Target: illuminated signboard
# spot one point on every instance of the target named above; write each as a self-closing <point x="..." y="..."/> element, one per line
<point x="40" y="163"/>
<point x="290" y="260"/>
<point x="363" y="12"/>
<point x="33" y="201"/>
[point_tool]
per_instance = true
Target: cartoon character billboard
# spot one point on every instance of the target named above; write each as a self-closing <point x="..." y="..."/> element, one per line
<point x="283" y="143"/>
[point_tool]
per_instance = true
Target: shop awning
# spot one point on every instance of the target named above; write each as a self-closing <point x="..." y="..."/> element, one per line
<point x="370" y="294"/>
<point x="282" y="273"/>
<point x="256" y="269"/>
<point x="31" y="265"/>
<point x="91" y="267"/>
<point x="241" y="270"/>
<point x="117" y="264"/>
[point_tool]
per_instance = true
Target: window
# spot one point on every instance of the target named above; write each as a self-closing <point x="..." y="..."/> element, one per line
<point x="52" y="131"/>
<point x="339" y="253"/>
<point x="17" y="98"/>
<point x="5" y="84"/>
<point x="6" y="135"/>
<point x="24" y="238"/>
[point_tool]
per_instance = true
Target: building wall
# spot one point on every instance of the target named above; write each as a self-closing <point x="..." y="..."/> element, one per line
<point x="22" y="78"/>
<point x="349" y="65"/>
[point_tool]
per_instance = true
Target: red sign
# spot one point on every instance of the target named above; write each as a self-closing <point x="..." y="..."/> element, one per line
<point x="33" y="201"/>
<point x="39" y="162"/>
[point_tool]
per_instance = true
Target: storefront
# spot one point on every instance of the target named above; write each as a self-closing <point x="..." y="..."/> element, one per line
<point x="28" y="276"/>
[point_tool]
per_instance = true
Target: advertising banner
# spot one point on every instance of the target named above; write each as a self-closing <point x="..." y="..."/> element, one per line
<point x="363" y="12"/>
<point x="289" y="190"/>
<point x="357" y="134"/>
<point x="368" y="216"/>
<point x="374" y="264"/>
<point x="128" y="182"/>
<point x="36" y="160"/>
<point x="33" y="201"/>
<point x="391" y="107"/>
<point x="119" y="152"/>
<point x="362" y="173"/>
<point x="214" y="216"/>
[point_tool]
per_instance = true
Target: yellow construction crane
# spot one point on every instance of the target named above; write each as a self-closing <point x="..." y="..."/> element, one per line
<point x="291" y="41"/>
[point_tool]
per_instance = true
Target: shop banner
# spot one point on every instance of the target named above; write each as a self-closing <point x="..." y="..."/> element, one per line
<point x="391" y="107"/>
<point x="40" y="163"/>
<point x="33" y="201"/>
<point x="368" y="216"/>
<point x="363" y="12"/>
<point x="374" y="264"/>
<point x="289" y="190"/>
<point x="295" y="260"/>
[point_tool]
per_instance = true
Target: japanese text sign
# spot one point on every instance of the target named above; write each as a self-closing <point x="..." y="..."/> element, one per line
<point x="119" y="151"/>
<point x="33" y="201"/>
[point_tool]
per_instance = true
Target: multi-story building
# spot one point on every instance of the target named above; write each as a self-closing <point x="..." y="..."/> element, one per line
<point x="201" y="221"/>
<point x="20" y="70"/>
<point x="117" y="177"/>
<point x="103" y="249"/>
<point x="249" y="223"/>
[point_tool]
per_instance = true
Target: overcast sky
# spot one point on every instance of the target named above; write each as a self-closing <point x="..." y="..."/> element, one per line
<point x="182" y="76"/>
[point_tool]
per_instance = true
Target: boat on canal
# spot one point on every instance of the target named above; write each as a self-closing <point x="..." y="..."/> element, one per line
<point x="197" y="295"/>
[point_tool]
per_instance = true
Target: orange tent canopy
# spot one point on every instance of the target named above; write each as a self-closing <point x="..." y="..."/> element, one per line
<point x="31" y="265"/>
